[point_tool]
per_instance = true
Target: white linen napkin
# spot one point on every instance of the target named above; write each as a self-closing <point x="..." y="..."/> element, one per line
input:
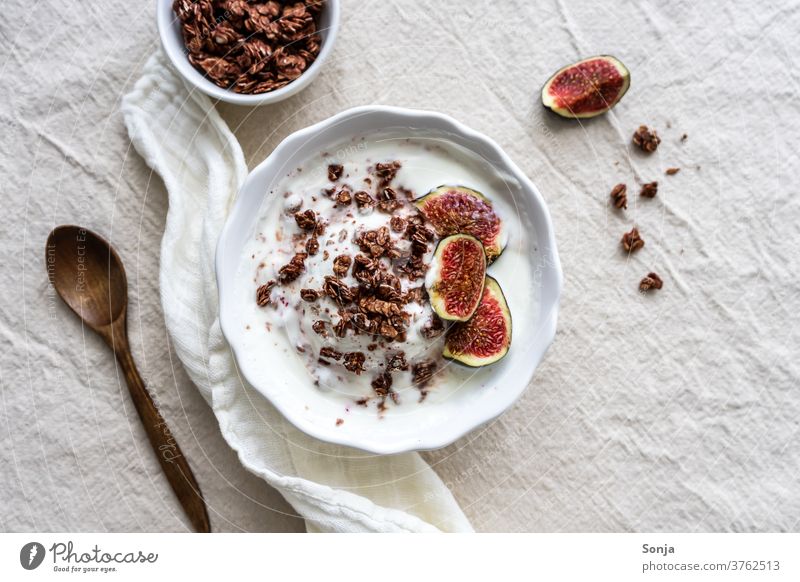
<point x="182" y="138"/>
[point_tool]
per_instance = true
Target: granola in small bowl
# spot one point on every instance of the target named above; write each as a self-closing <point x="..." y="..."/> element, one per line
<point x="248" y="51"/>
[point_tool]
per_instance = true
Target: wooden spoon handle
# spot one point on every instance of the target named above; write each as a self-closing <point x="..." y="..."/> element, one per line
<point x="169" y="454"/>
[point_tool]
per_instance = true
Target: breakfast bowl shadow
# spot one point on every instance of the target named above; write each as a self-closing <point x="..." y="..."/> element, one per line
<point x="431" y="425"/>
<point x="169" y="30"/>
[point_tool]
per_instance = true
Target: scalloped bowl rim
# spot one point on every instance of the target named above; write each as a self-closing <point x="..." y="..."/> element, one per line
<point x="552" y="283"/>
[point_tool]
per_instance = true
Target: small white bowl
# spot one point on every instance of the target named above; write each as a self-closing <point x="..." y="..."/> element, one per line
<point x="172" y="40"/>
<point x="431" y="424"/>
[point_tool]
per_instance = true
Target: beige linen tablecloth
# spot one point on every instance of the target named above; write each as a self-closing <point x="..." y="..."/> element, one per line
<point x="675" y="411"/>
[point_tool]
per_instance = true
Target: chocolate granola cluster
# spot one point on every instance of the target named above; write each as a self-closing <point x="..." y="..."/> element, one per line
<point x="421" y="374"/>
<point x="647" y="139"/>
<point x="250" y="46"/>
<point x="373" y="306"/>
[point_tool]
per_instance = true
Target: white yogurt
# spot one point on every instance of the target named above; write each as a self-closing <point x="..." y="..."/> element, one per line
<point x="284" y="329"/>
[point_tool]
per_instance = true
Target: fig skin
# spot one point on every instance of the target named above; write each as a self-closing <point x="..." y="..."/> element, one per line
<point x="438" y="287"/>
<point x="494" y="246"/>
<point x="491" y="290"/>
<point x="550" y="101"/>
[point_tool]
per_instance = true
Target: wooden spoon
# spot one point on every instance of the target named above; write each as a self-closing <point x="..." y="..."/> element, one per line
<point x="88" y="275"/>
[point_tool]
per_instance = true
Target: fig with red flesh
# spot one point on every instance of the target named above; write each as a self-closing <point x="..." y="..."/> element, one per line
<point x="455" y="279"/>
<point x="587" y="88"/>
<point x="460" y="210"/>
<point x="486" y="337"/>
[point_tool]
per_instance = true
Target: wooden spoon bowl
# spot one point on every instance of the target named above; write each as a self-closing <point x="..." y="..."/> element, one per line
<point x="88" y="275"/>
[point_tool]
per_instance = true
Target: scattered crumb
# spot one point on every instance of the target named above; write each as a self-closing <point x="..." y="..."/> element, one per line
<point x="684" y="137"/>
<point x="649" y="190"/>
<point x="339" y="422"/>
<point x="619" y="196"/>
<point x="631" y="241"/>
<point x="672" y="171"/>
<point x="651" y="281"/>
<point x="647" y="139"/>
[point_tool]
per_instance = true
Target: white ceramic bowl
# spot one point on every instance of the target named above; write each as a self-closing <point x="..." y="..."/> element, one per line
<point x="172" y="41"/>
<point x="427" y="425"/>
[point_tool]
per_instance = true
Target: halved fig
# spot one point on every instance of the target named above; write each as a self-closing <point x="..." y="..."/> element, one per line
<point x="486" y="337"/>
<point x="587" y="88"/>
<point x="460" y="210"/>
<point x="455" y="278"/>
